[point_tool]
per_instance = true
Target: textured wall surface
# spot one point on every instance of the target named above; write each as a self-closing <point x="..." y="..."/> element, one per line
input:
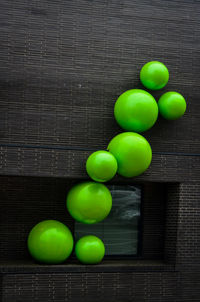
<point x="63" y="64"/>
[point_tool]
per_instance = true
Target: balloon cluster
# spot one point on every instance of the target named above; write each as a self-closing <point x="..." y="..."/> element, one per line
<point x="129" y="154"/>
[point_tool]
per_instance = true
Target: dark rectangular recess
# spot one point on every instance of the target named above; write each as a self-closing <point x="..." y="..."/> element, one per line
<point x="27" y="200"/>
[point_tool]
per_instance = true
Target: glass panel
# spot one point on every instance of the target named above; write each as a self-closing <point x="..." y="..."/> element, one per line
<point x="119" y="231"/>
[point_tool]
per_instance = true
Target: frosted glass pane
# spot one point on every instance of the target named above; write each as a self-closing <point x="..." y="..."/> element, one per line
<point x="119" y="231"/>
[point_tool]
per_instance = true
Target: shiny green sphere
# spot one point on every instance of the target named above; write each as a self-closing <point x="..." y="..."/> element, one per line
<point x="154" y="75"/>
<point x="132" y="152"/>
<point x="90" y="250"/>
<point x="172" y="105"/>
<point x="50" y="241"/>
<point x="89" y="202"/>
<point x="136" y="110"/>
<point x="101" y="166"/>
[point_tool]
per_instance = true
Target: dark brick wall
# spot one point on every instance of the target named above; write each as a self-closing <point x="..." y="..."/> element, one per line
<point x="71" y="164"/>
<point x="63" y="64"/>
<point x="101" y="287"/>
<point x="189" y="290"/>
<point x="172" y="212"/>
<point x="188" y="239"/>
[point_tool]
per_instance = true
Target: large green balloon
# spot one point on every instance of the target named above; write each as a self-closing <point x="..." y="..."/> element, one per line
<point x="154" y="75"/>
<point x="101" y="166"/>
<point x="90" y="250"/>
<point x="136" y="110"/>
<point x="172" y="105"/>
<point x="89" y="202"/>
<point x="132" y="152"/>
<point x="50" y="241"/>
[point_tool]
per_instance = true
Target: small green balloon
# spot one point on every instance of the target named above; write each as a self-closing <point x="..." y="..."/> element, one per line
<point x="154" y="75"/>
<point x="101" y="166"/>
<point x="172" y="105"/>
<point x="50" y="241"/>
<point x="136" y="110"/>
<point x="132" y="152"/>
<point x="89" y="202"/>
<point x="90" y="250"/>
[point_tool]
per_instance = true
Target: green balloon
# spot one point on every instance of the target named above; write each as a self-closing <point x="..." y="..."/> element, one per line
<point x="90" y="250"/>
<point x="132" y="152"/>
<point x="50" y="241"/>
<point x="101" y="166"/>
<point x="154" y="75"/>
<point x="172" y="105"/>
<point x="89" y="202"/>
<point x="136" y="110"/>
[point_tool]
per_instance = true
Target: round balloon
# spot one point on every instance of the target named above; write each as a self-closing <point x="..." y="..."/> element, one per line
<point x="132" y="152"/>
<point x="136" y="110"/>
<point x="101" y="166"/>
<point x="90" y="250"/>
<point x="154" y="75"/>
<point x="89" y="202"/>
<point x="172" y="105"/>
<point x="50" y="241"/>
